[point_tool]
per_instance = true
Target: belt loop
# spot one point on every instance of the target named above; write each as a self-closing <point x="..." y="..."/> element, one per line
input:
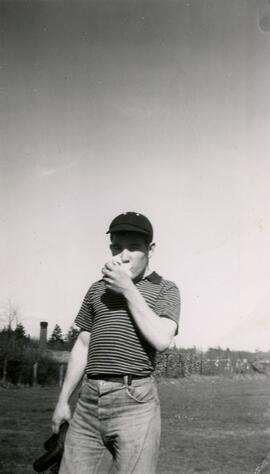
<point x="129" y="379"/>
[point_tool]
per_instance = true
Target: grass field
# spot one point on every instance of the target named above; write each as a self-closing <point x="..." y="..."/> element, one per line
<point x="210" y="425"/>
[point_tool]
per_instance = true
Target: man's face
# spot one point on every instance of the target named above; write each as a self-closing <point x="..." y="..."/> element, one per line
<point x="132" y="249"/>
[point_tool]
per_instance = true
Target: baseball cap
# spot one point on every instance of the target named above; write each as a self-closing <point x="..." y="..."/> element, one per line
<point x="131" y="222"/>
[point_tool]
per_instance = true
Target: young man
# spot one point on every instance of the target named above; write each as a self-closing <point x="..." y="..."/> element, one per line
<point x="124" y="319"/>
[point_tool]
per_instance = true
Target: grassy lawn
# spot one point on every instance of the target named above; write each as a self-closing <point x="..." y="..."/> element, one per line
<point x="210" y="425"/>
<point x="214" y="425"/>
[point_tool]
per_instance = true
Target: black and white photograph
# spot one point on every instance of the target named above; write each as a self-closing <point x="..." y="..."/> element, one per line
<point x="135" y="236"/>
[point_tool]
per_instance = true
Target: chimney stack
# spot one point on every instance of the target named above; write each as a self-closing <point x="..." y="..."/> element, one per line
<point x="43" y="335"/>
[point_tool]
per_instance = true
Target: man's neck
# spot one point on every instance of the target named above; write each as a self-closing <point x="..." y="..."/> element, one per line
<point x="147" y="271"/>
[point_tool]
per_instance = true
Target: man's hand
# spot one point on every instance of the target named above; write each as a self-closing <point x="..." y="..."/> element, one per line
<point x="61" y="413"/>
<point x="117" y="276"/>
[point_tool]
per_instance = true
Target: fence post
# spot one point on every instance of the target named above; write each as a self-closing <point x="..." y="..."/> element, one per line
<point x="35" y="367"/>
<point x="4" y="377"/>
<point x="167" y="364"/>
<point x="61" y="374"/>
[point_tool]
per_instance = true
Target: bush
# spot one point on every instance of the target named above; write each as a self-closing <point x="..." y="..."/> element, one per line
<point x="47" y="373"/>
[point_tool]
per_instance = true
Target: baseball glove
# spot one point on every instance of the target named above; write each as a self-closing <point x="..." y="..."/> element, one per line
<point x="54" y="450"/>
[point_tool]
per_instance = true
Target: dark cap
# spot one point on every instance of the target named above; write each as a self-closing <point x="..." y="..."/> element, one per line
<point x="132" y="222"/>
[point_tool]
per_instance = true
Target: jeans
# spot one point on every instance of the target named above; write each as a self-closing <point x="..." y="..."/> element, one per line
<point x="122" y="418"/>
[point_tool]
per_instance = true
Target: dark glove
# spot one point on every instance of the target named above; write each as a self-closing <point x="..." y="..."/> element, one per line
<point x="54" y="447"/>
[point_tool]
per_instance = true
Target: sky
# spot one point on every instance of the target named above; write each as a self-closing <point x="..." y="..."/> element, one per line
<point x="158" y="107"/>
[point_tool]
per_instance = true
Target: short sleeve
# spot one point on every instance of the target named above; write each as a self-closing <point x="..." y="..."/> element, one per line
<point x="169" y="302"/>
<point x="84" y="318"/>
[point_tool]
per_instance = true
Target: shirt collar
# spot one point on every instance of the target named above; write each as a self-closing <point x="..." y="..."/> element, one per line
<point x="154" y="278"/>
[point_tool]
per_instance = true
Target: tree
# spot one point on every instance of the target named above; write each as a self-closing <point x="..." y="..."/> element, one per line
<point x="19" y="331"/>
<point x="9" y="315"/>
<point x="13" y="342"/>
<point x="57" y="335"/>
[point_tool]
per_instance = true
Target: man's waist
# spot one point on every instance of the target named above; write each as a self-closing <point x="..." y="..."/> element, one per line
<point x="121" y="378"/>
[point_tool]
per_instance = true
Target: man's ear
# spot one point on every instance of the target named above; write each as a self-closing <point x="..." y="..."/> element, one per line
<point x="151" y="250"/>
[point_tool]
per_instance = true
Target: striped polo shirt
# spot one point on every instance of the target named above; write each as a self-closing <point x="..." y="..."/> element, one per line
<point x="116" y="345"/>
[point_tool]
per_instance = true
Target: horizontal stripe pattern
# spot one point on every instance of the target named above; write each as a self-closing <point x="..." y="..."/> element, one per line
<point x="116" y="345"/>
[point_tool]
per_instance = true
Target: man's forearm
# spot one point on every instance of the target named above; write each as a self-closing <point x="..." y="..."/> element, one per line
<point x="75" y="369"/>
<point x="158" y="331"/>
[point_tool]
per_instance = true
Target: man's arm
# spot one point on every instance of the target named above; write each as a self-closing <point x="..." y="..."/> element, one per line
<point x="159" y="331"/>
<point x="75" y="371"/>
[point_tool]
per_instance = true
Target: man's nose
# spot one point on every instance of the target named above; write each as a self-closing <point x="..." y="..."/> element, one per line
<point x="125" y="257"/>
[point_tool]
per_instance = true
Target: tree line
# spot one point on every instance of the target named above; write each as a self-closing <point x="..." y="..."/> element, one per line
<point x="14" y="340"/>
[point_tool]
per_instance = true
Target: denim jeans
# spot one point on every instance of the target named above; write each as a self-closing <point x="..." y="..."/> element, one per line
<point x="125" y="419"/>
